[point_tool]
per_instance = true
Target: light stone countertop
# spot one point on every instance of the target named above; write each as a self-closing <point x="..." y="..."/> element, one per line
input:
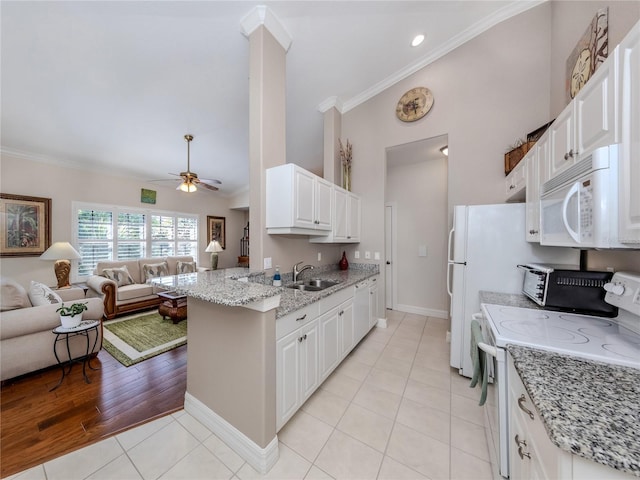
<point x="588" y="408"/>
<point x="237" y="287"/>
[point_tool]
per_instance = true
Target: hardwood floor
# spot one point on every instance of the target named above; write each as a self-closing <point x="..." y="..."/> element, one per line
<point x="38" y="425"/>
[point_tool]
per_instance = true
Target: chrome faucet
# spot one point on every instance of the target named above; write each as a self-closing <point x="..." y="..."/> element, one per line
<point x="297" y="272"/>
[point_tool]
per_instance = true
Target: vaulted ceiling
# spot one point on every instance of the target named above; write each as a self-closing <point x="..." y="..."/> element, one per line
<point x="115" y="85"/>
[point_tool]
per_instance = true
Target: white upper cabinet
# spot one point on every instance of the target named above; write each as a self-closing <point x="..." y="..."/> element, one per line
<point x="515" y="181"/>
<point x="298" y="202"/>
<point x="588" y="122"/>
<point x="346" y="218"/>
<point x="629" y="179"/>
<point x="533" y="189"/>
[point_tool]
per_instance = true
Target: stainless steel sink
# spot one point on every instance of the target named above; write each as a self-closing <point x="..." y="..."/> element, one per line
<point x="313" y="285"/>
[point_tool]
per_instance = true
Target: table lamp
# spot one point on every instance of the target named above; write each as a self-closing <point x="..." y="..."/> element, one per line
<point x="61" y="252"/>
<point x="214" y="247"/>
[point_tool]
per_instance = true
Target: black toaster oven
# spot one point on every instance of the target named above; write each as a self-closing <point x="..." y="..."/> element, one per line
<point x="567" y="289"/>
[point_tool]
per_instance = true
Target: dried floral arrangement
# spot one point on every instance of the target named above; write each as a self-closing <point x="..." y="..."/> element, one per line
<point x="346" y="154"/>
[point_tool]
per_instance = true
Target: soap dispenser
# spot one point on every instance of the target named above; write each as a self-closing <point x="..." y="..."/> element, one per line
<point x="277" y="280"/>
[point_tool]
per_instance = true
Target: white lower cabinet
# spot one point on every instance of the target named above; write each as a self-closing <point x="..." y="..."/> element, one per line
<point x="373" y="302"/>
<point x="297" y="373"/>
<point x="330" y="330"/>
<point x="347" y="328"/>
<point x="361" y="310"/>
<point x="336" y="329"/>
<point x="310" y="344"/>
<point x="531" y="453"/>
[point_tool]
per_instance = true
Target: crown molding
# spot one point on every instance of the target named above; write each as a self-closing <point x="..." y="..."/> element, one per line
<point x="329" y="103"/>
<point x="510" y="10"/>
<point x="263" y="15"/>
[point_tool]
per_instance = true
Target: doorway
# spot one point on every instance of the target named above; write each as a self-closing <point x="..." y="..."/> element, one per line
<point x="416" y="224"/>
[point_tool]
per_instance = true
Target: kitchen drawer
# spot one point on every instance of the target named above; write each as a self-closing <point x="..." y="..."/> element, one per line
<point x="327" y="303"/>
<point x="287" y="324"/>
<point x="544" y="453"/>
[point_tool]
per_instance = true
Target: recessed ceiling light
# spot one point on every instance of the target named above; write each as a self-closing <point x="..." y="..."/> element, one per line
<point x="417" y="40"/>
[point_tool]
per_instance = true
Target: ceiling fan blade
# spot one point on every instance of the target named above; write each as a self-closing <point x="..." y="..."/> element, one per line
<point x="211" y="180"/>
<point x="207" y="186"/>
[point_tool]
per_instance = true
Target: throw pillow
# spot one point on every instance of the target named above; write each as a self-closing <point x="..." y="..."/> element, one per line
<point x="155" y="270"/>
<point x="120" y="275"/>
<point x="40" y="294"/>
<point x="186" y="267"/>
<point x="12" y="295"/>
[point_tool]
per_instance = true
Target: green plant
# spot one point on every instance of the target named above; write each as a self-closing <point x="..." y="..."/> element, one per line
<point x="73" y="310"/>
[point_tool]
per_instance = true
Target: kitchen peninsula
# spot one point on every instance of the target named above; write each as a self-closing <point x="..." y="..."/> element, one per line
<point x="231" y="355"/>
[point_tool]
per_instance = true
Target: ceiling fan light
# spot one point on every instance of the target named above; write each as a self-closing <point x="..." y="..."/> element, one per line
<point x="188" y="187"/>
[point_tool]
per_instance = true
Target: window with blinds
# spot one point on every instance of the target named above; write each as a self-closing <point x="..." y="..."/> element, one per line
<point x="121" y="233"/>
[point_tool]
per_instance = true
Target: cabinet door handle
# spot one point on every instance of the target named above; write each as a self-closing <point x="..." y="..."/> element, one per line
<point x="523" y="454"/>
<point x="520" y="442"/>
<point x="301" y="318"/>
<point x="511" y="187"/>
<point x="304" y="336"/>
<point x="522" y="400"/>
<point x="300" y="339"/>
<point x="570" y="154"/>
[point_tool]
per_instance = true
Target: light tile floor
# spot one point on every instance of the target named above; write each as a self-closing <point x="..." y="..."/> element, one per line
<point x="393" y="409"/>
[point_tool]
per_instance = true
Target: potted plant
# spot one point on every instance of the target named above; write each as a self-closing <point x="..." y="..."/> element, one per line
<point x="71" y="317"/>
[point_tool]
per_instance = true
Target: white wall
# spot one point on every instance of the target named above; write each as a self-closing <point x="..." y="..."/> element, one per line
<point x="65" y="185"/>
<point x="488" y="93"/>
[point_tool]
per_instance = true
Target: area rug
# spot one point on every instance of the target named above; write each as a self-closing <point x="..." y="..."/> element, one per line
<point x="135" y="338"/>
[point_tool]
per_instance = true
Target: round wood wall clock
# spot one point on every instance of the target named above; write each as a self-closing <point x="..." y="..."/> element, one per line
<point x="414" y="104"/>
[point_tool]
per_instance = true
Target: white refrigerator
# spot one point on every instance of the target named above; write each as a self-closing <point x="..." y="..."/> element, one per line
<point x="486" y="244"/>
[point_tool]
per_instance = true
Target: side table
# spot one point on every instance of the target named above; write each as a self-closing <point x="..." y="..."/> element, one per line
<point x="63" y="334"/>
<point x="173" y="306"/>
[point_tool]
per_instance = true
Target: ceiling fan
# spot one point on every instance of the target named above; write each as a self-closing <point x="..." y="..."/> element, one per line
<point x="190" y="180"/>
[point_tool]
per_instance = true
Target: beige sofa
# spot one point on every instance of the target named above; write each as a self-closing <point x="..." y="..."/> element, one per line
<point x="26" y="338"/>
<point x="138" y="295"/>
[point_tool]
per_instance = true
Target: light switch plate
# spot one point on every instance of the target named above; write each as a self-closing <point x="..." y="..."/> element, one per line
<point x="376" y="256"/>
<point x="267" y="263"/>
<point x="319" y="256"/>
<point x="367" y="255"/>
<point x="356" y="254"/>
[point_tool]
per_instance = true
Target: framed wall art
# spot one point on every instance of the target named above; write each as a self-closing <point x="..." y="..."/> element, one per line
<point x="216" y="230"/>
<point x="592" y="49"/>
<point x="25" y="230"/>
<point x="148" y="196"/>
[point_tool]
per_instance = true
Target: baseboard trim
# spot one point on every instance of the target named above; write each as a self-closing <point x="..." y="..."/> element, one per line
<point x="428" y="312"/>
<point x="381" y="323"/>
<point x="261" y="459"/>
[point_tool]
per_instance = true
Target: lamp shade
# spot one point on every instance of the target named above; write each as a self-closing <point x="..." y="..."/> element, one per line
<point x="214" y="247"/>
<point x="60" y="251"/>
<point x="188" y="187"/>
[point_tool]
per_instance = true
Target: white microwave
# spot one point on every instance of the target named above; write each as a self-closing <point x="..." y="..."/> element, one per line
<point x="579" y="207"/>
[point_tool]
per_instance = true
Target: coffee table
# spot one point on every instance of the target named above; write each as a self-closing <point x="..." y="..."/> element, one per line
<point x="173" y="306"/>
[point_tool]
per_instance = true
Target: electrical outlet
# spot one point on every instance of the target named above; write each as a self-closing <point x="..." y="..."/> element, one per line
<point x="267" y="263"/>
<point x="356" y="254"/>
<point x="319" y="256"/>
<point x="367" y="255"/>
<point x="376" y="256"/>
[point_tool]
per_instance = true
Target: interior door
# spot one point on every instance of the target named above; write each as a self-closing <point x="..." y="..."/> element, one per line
<point x="388" y="255"/>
